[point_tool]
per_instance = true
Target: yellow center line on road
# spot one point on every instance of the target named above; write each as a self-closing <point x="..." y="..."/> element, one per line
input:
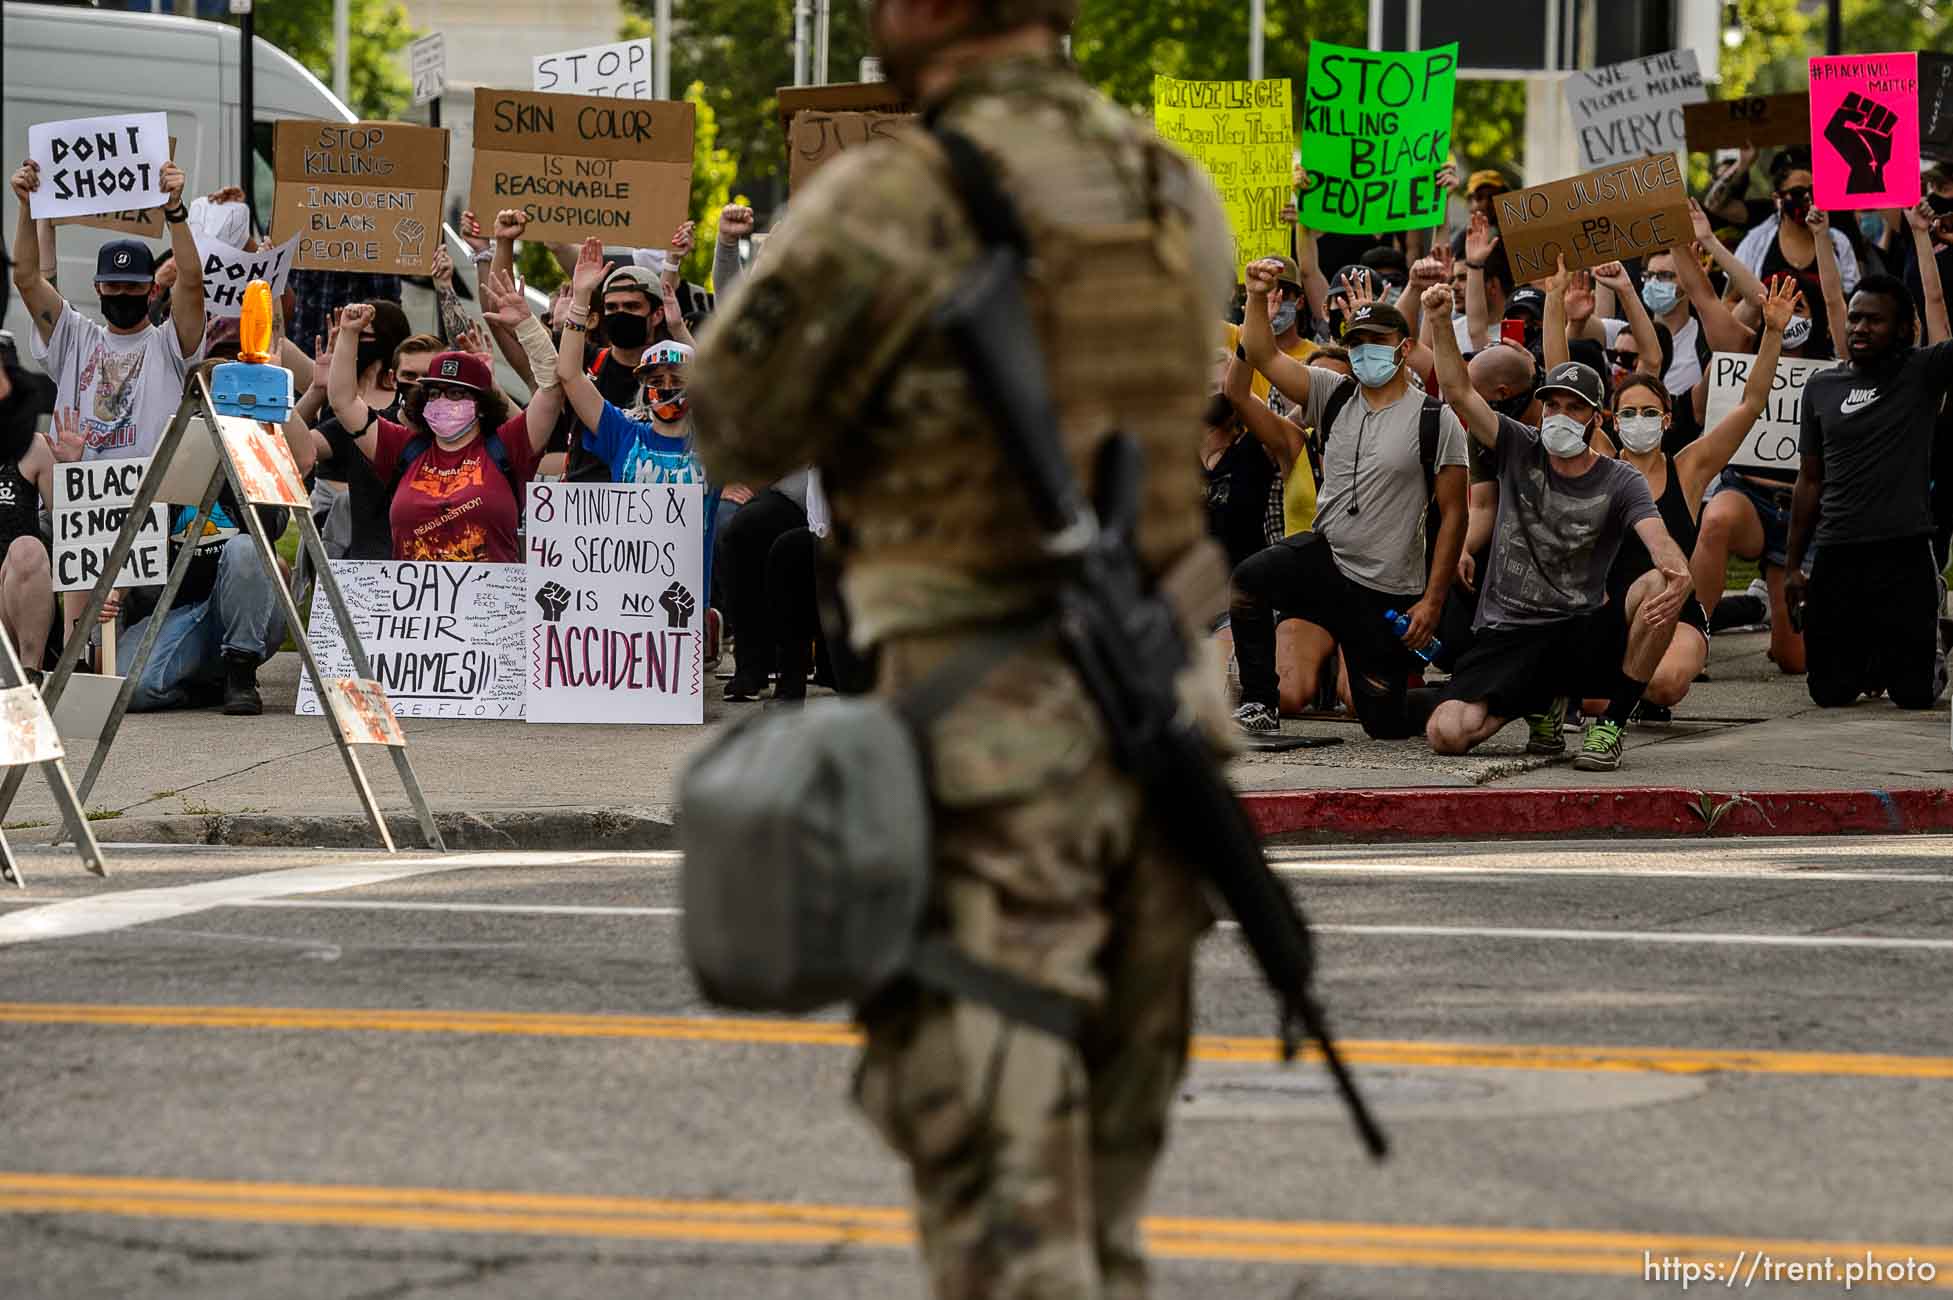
<point x="828" y="1033"/>
<point x="431" y="1209"/>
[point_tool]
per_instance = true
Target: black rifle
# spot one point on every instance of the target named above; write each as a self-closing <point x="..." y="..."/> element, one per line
<point x="1123" y="638"/>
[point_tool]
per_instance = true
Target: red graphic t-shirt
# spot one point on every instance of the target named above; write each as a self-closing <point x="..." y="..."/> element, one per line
<point x="456" y="505"/>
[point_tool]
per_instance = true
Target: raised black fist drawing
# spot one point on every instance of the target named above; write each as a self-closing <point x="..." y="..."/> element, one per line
<point x="1860" y="130"/>
<point x="678" y="604"/>
<point x="554" y="598"/>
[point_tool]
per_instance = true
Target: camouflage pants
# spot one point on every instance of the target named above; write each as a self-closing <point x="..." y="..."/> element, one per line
<point x="1030" y="1156"/>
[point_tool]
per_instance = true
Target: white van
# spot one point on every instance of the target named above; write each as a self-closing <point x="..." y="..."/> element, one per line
<point x="63" y="62"/>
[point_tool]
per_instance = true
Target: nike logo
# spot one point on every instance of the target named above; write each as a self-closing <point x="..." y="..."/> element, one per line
<point x="1858" y="400"/>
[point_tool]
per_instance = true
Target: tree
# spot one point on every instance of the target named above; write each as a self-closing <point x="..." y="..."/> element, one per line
<point x="377" y="84"/>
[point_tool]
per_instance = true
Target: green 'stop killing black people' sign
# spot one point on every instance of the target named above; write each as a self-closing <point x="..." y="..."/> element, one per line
<point x="1376" y="127"/>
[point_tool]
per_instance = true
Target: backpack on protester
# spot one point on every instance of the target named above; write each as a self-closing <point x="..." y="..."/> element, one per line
<point x="1427" y="451"/>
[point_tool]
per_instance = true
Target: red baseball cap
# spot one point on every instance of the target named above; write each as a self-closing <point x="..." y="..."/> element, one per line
<point x="463" y="370"/>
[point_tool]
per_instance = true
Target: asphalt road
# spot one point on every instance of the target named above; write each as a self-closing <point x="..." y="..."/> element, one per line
<point x="233" y="1073"/>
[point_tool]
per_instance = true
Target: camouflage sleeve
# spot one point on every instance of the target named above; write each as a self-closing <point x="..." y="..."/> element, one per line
<point x="1212" y="236"/>
<point x="805" y="341"/>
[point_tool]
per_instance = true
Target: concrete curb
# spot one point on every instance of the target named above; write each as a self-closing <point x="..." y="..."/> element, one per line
<point x="1282" y="817"/>
<point x="1344" y="816"/>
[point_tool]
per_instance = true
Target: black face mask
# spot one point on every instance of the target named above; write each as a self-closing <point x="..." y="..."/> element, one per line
<point x="1795" y="203"/>
<point x="124" y="309"/>
<point x="1515" y="405"/>
<point x="625" y="330"/>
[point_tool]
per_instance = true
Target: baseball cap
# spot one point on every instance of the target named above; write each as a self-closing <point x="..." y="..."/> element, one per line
<point x="1582" y="381"/>
<point x="1376" y="318"/>
<point x="668" y="352"/>
<point x="1490" y="177"/>
<point x="125" y="261"/>
<point x="462" y="369"/>
<point x="1291" y="274"/>
<point x="633" y="277"/>
<point x="1526" y="300"/>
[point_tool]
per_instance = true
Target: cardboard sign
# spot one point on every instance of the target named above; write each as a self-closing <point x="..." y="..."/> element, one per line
<point x="1627" y="210"/>
<point x="362" y="196"/>
<point x="360" y="708"/>
<point x="265" y="469"/>
<point x="819" y="137"/>
<point x="855" y="97"/>
<point x="428" y="58"/>
<point x="1936" y="106"/>
<point x="617" y="610"/>
<point x="1772" y="444"/>
<point x="1243" y="133"/>
<point x="1633" y="109"/>
<point x="91" y="501"/>
<point x="444" y="640"/>
<point x="1756" y="121"/>
<point x="1865" y="130"/>
<point x="583" y="165"/>
<point x="96" y="165"/>
<point x="27" y="733"/>
<point x="228" y="271"/>
<point x="1376" y="127"/>
<point x="621" y="70"/>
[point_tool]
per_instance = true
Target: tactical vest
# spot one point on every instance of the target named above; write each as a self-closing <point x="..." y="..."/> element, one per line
<point x="1128" y="340"/>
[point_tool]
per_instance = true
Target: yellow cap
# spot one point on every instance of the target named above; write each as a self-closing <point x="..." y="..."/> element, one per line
<point x="254" y="330"/>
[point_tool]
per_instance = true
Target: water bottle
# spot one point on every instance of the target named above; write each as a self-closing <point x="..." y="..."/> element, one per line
<point x="1400" y="624"/>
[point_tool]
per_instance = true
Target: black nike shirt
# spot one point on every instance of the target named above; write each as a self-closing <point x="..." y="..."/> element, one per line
<point x="1873" y="429"/>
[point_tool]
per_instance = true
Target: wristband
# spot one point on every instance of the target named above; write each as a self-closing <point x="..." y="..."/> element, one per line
<point x="573" y="324"/>
<point x="484" y="257"/>
<point x="177" y="215"/>
<point x="1474" y="266"/>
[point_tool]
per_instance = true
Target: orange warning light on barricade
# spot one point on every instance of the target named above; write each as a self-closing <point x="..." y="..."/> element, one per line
<point x="254" y="330"/>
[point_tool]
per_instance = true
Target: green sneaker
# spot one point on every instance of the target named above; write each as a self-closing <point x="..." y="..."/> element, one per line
<point x="1602" y="750"/>
<point x="1545" y="732"/>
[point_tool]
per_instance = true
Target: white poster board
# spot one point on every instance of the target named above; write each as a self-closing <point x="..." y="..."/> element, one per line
<point x="620" y="70"/>
<point x="617" y="606"/>
<point x="228" y="271"/>
<point x="1772" y="444"/>
<point x="93" y="165"/>
<point x="428" y="59"/>
<point x="1630" y="110"/>
<point x="91" y="499"/>
<point x="445" y="640"/>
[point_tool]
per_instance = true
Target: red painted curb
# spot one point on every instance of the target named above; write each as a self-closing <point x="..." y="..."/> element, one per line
<point x="1477" y="814"/>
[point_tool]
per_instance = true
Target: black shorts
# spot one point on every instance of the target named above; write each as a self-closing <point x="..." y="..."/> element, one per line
<point x="1522" y="670"/>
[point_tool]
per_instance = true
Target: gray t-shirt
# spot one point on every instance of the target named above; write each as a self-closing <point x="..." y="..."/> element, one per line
<point x="1874" y="431"/>
<point x="1556" y="537"/>
<point x="1371" y="461"/>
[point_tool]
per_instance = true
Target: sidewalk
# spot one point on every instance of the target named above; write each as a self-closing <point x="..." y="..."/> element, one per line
<point x="202" y="777"/>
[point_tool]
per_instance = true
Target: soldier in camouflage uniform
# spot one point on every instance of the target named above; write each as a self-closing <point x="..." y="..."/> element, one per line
<point x="1031" y="1156"/>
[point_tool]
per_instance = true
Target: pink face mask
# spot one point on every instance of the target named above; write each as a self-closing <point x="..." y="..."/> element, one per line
<point x="449" y="417"/>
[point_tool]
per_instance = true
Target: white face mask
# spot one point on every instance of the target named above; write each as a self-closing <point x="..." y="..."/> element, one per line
<point x="1798" y="332"/>
<point x="1563" y="435"/>
<point x="1640" y="433"/>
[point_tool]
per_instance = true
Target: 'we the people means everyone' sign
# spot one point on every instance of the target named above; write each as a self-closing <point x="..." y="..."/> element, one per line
<point x="1628" y="210"/>
<point x="1633" y="109"/>
<point x="228" y="271"/>
<point x="93" y="165"/>
<point x="617" y="606"/>
<point x="1865" y="130"/>
<point x="1772" y="444"/>
<point x="620" y="70"/>
<point x="445" y="640"/>
<point x="583" y="165"/>
<point x="361" y="196"/>
<point x="1243" y="133"/>
<point x="91" y="501"/>
<point x="1376" y="128"/>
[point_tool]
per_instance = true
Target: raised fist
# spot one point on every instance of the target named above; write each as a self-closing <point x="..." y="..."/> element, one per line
<point x="1860" y="130"/>
<point x="735" y="223"/>
<point x="678" y="604"/>
<point x="1263" y="276"/>
<point x="27" y="179"/>
<point x="510" y="223"/>
<point x="554" y="598"/>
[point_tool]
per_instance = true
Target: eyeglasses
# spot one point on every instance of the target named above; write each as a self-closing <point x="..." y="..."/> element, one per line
<point x="1665" y="277"/>
<point x="1625" y="360"/>
<point x="438" y="389"/>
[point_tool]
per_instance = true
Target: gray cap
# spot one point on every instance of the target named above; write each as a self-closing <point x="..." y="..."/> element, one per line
<point x="1582" y="381"/>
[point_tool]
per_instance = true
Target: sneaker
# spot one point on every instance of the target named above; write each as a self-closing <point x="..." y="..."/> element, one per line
<point x="241" y="686"/>
<point x="1544" y="734"/>
<point x="1602" y="750"/>
<point x="1939" y="676"/>
<point x="1646" y="712"/>
<point x="743" y="690"/>
<point x="1257" y="720"/>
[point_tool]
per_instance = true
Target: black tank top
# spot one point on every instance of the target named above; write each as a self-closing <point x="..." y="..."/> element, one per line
<point x="1237" y="498"/>
<point x="20" y="505"/>
<point x="1673" y="504"/>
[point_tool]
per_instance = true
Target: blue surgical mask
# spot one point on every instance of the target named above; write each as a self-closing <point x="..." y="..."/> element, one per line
<point x="1871" y="226"/>
<point x="1660" y="296"/>
<point x="1374" y="364"/>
